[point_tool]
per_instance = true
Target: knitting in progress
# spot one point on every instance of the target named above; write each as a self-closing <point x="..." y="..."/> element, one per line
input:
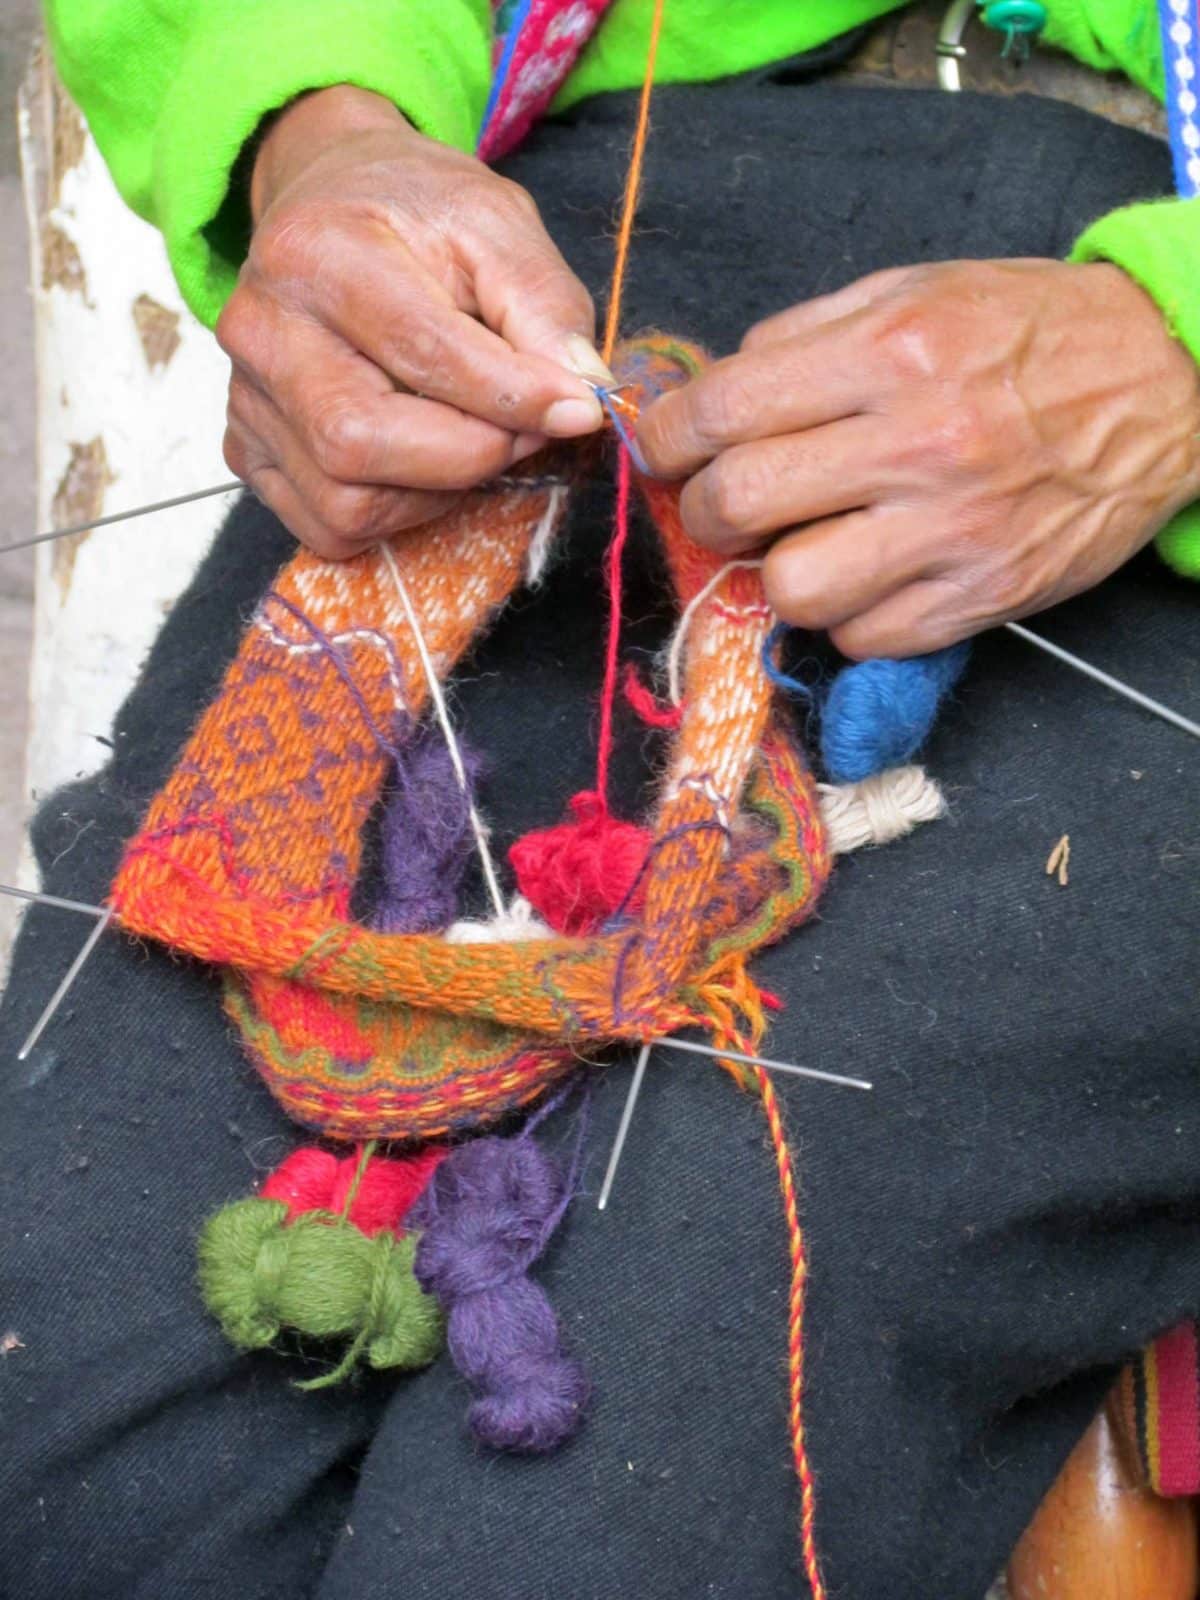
<point x="406" y="1021"/>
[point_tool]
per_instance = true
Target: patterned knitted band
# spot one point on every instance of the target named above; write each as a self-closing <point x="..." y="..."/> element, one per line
<point x="249" y="856"/>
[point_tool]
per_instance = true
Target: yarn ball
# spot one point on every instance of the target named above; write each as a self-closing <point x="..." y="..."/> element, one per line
<point x="578" y="874"/>
<point x="425" y="836"/>
<point x="878" y="714"/>
<point x="486" y="1218"/>
<point x="260" y="1273"/>
<point x="316" y="1180"/>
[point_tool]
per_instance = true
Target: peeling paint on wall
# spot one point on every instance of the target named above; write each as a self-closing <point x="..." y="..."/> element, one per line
<point x="78" y="498"/>
<point x="158" y="329"/>
<point x="69" y="140"/>
<point x="61" y="262"/>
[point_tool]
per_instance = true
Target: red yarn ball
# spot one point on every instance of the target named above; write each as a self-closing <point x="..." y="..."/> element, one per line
<point x="316" y="1180"/>
<point x="578" y="874"/>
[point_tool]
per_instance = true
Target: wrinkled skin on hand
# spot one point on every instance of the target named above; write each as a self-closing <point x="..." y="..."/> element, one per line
<point x="402" y="330"/>
<point x="938" y="449"/>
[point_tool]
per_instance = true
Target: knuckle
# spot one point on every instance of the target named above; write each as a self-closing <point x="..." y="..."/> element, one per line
<point x="351" y="515"/>
<point x="907" y="340"/>
<point x="513" y="198"/>
<point x="790" y="595"/>
<point x="959" y="436"/>
<point x="856" y="641"/>
<point x="237" y="457"/>
<point x="736" y="494"/>
<point x="1009" y="587"/>
<point x="723" y="408"/>
<point x="283" y="247"/>
<point x="416" y="352"/>
<point x="340" y="441"/>
<point x="238" y="325"/>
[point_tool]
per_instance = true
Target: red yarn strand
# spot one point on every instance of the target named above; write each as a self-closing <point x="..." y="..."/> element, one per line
<point x="612" y="584"/>
<point x="643" y="704"/>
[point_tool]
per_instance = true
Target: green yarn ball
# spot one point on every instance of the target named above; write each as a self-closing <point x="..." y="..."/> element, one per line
<point x="320" y="1276"/>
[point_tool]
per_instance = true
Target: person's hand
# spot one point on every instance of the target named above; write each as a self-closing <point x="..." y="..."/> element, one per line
<point x="938" y="449"/>
<point x="402" y="330"/>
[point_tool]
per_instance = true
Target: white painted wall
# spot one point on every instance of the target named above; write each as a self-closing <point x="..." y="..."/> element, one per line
<point x="100" y="600"/>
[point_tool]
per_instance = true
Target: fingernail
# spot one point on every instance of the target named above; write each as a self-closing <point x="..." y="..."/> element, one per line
<point x="527" y="444"/>
<point x="566" y="418"/>
<point x="583" y="357"/>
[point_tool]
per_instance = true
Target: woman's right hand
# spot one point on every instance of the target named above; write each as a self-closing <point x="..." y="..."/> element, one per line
<point x="403" y="329"/>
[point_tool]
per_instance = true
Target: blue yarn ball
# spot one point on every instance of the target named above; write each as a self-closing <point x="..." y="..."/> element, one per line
<point x="878" y="714"/>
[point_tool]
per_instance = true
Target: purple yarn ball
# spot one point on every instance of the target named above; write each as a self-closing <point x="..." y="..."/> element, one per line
<point x="487" y="1216"/>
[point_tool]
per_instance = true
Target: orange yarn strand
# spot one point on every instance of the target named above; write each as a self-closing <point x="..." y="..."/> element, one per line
<point x="799" y="1283"/>
<point x="633" y="184"/>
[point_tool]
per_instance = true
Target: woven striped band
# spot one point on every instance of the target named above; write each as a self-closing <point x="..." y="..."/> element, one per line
<point x="1158" y="1406"/>
<point x="249" y="855"/>
<point x="1181" y="67"/>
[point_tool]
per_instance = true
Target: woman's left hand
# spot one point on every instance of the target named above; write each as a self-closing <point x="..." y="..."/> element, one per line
<point x="937" y="449"/>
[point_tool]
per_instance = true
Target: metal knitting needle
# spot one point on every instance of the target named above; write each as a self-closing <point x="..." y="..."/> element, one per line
<point x="51" y="900"/>
<point x="508" y="480"/>
<point x="635" y="1088"/>
<point x="669" y="1043"/>
<point x="124" y="516"/>
<point x="764" y="1061"/>
<point x="1175" y="718"/>
<point x="103" y="915"/>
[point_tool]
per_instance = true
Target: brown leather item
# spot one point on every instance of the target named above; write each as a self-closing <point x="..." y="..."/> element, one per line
<point x="1100" y="1535"/>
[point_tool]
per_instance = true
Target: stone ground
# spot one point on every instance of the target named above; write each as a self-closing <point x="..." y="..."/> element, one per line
<point x="17" y="23"/>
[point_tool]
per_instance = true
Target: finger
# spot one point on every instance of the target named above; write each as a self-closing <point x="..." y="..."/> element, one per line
<point x="810" y="314"/>
<point x="754" y="490"/>
<point x="920" y="617"/>
<point x="273" y="489"/>
<point x="354" y="513"/>
<point x="359" y="430"/>
<point x="832" y="571"/>
<point x="383" y="303"/>
<point x="784" y="388"/>
<point x="528" y="294"/>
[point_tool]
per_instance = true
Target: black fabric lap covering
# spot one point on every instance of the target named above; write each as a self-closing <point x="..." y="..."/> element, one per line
<point x="1014" y="1210"/>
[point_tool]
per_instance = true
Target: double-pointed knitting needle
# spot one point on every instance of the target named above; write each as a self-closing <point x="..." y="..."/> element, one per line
<point x="1175" y="718"/>
<point x="670" y="1043"/>
<point x="123" y="516"/>
<point x="103" y="915"/>
<point x="505" y="481"/>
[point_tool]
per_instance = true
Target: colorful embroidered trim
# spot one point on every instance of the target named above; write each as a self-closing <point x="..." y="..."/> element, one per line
<point x="537" y="43"/>
<point x="1180" y="20"/>
<point x="1159" y="1406"/>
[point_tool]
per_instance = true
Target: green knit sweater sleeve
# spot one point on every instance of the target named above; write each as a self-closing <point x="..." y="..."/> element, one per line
<point x="174" y="89"/>
<point x="1158" y="241"/>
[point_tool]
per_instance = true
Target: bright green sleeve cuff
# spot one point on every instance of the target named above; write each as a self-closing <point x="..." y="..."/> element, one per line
<point x="1158" y="244"/>
<point x="243" y="62"/>
<point x="1108" y="34"/>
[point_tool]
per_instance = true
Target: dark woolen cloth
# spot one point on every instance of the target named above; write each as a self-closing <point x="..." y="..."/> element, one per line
<point x="1013" y="1211"/>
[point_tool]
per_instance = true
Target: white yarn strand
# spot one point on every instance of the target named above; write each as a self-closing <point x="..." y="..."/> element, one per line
<point x="679" y="637"/>
<point x="478" y="830"/>
<point x="543" y="538"/>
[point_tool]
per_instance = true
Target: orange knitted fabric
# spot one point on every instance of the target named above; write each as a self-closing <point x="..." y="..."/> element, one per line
<point x="249" y="854"/>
